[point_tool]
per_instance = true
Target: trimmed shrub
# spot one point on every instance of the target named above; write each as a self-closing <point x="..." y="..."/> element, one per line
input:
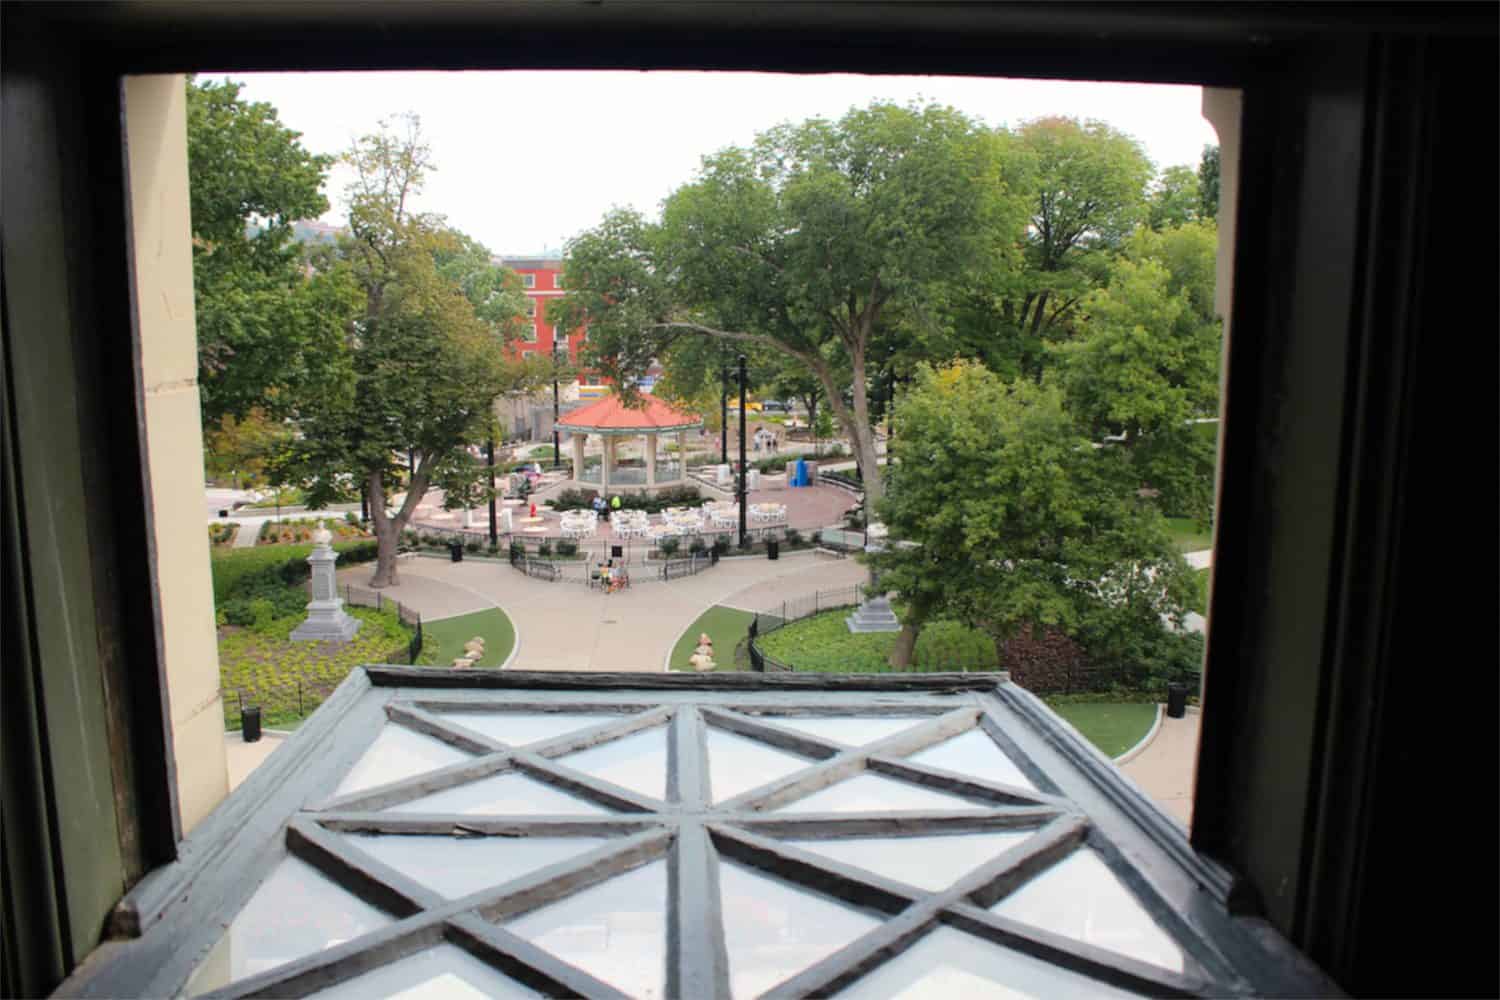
<point x="697" y="546"/>
<point x="721" y="544"/>
<point x="816" y="538"/>
<point x="567" y="547"/>
<point x="545" y="549"/>
<point x="668" y="547"/>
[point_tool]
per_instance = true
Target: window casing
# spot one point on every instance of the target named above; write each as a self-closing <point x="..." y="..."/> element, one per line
<point x="528" y="281"/>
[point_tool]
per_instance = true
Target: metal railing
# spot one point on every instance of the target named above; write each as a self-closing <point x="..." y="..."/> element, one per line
<point x="360" y="597"/>
<point x="766" y="622"/>
<point x="539" y="569"/>
<point x="693" y="564"/>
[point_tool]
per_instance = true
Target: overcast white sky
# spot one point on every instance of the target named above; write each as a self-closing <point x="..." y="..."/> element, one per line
<point x="528" y="159"/>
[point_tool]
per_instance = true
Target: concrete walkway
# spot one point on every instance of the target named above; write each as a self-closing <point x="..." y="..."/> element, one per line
<point x="1165" y="769"/>
<point x="566" y="626"/>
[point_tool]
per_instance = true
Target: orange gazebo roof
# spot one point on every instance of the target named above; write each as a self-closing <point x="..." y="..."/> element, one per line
<point x="610" y="415"/>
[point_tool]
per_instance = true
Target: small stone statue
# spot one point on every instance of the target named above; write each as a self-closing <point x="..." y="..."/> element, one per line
<point x="703" y="657"/>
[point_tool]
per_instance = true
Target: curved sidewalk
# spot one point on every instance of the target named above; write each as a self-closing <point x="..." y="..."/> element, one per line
<point x="566" y="626"/>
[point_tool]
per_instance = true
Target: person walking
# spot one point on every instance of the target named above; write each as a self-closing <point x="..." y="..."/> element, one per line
<point x="615" y="502"/>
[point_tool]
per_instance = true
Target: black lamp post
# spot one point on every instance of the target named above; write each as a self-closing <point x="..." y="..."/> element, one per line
<point x="744" y="473"/>
<point x="556" y="414"/>
<point x="489" y="451"/>
<point x="724" y="414"/>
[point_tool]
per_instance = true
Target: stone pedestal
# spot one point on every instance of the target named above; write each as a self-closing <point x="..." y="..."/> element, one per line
<point x="327" y="621"/>
<point x="875" y="614"/>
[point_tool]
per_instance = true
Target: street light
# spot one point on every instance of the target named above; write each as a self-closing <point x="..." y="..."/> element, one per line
<point x="556" y="413"/>
<point x="744" y="473"/>
<point x="724" y="414"/>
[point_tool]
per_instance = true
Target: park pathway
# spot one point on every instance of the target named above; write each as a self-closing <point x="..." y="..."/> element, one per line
<point x="567" y="626"/>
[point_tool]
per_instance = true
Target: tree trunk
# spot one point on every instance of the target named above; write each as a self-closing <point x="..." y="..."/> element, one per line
<point x="906" y="645"/>
<point x="857" y="425"/>
<point x="388" y="527"/>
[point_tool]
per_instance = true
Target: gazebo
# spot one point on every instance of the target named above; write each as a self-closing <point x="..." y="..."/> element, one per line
<point x="613" y="421"/>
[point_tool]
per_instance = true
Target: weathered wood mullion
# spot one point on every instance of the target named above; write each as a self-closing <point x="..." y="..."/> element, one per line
<point x="855" y="886"/>
<point x="464" y="825"/>
<point x="1034" y="774"/>
<point x="858" y="957"/>
<point x="797" y="785"/>
<point x="966" y="785"/>
<point x="615" y="729"/>
<point x="697" y="955"/>
<point x="367" y="877"/>
<point x="833" y="826"/>
<point x="343" y="961"/>
<point x="754" y="728"/>
<point x="922" y="735"/>
<point x="1111" y="967"/>
<point x="585" y="786"/>
<point x="547" y="885"/>
<point x="525" y="962"/>
<point x="1014" y="868"/>
<point x="418" y="720"/>
<point x="439" y="779"/>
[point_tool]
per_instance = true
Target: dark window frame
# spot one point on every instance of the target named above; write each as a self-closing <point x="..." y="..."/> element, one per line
<point x="1399" y="83"/>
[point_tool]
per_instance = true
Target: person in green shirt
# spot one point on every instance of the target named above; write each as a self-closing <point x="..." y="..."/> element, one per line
<point x="615" y="503"/>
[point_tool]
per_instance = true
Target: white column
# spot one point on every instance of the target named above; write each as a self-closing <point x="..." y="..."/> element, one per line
<point x="609" y="460"/>
<point x="682" y="456"/>
<point x="651" y="459"/>
<point x="578" y="447"/>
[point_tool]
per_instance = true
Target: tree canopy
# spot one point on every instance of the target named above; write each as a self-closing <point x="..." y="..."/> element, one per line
<point x="1004" y="515"/>
<point x="263" y="335"/>
<point x="808" y="242"/>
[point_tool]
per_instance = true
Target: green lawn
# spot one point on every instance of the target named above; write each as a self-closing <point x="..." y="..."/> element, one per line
<point x="289" y="679"/>
<point x="444" y="639"/>
<point x="1209" y="432"/>
<point x="1189" y="534"/>
<point x="725" y="626"/>
<point x="1113" y="727"/>
<point x="823" y="643"/>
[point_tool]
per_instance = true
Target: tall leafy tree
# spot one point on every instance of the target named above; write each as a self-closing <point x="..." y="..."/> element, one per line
<point x="807" y="243"/>
<point x="1003" y="516"/>
<point x="1089" y="189"/>
<point x="425" y="348"/>
<point x="1148" y="364"/>
<point x="1208" y="183"/>
<point x="1175" y="199"/>
<point x="263" y="337"/>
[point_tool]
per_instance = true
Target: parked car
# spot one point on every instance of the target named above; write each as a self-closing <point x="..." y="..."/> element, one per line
<point x="775" y="406"/>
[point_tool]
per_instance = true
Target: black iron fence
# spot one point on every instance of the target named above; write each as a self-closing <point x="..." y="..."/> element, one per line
<point x="766" y="622"/>
<point x="691" y="565"/>
<point x="360" y="597"/>
<point x="539" y="569"/>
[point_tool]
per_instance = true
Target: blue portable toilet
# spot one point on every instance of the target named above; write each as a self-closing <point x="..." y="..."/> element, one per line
<point x="801" y="478"/>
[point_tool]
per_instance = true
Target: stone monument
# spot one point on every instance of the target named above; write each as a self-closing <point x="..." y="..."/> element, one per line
<point x="327" y="621"/>
<point x="875" y="614"/>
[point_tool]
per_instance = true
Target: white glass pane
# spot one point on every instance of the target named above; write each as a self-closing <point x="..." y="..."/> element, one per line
<point x="774" y="930"/>
<point x="615" y="931"/>
<point x="948" y="965"/>
<point x="501" y="795"/>
<point x="458" y="866"/>
<point x="851" y="730"/>
<point x="737" y="764"/>
<point x="296" y="911"/>
<point x="872" y="793"/>
<point x="518" y="730"/>
<point x="1080" y="897"/>
<point x="446" y="972"/>
<point x="930" y="863"/>
<point x="637" y="762"/>
<point x="974" y="753"/>
<point x="398" y="753"/>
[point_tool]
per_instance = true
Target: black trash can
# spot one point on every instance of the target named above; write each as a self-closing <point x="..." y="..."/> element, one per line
<point x="773" y="548"/>
<point x="223" y="512"/>
<point x="456" y="550"/>
<point x="250" y="724"/>
<point x="1176" y="700"/>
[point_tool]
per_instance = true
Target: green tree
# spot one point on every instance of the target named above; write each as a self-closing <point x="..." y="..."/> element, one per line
<point x="1175" y="199"/>
<point x="808" y="242"/>
<point x="1001" y="515"/>
<point x="1089" y="189"/>
<point x="263" y="335"/>
<point x="1208" y="183"/>
<point x="426" y="360"/>
<point x="1147" y="365"/>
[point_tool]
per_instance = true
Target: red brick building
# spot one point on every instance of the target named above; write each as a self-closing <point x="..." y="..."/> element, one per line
<point x="542" y="278"/>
